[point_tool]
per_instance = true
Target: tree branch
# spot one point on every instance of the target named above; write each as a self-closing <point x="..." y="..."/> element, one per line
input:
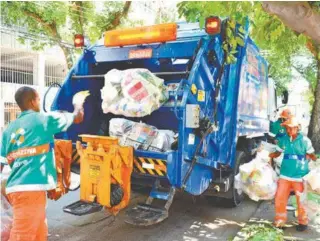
<point x="119" y="15"/>
<point x="298" y="16"/>
<point x="51" y="27"/>
<point x="77" y="6"/>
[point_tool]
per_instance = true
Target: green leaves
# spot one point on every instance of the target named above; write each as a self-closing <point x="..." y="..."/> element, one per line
<point x="202" y="22"/>
<point x="268" y="32"/>
<point x="59" y="21"/>
<point x="233" y="40"/>
<point x="240" y="41"/>
<point x="262" y="232"/>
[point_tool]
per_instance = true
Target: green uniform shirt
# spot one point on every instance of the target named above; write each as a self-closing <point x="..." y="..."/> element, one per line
<point x="294" y="165"/>
<point x="277" y="129"/>
<point x="33" y="168"/>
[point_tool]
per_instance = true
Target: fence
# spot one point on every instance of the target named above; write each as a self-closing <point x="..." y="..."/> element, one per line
<point x="21" y="66"/>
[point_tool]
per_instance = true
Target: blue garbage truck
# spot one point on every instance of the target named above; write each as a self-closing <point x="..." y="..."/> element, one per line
<point x="220" y="111"/>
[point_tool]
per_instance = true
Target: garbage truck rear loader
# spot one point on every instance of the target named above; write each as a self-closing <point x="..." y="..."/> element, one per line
<point x="219" y="111"/>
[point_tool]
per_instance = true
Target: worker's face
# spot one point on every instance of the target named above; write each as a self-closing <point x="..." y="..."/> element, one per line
<point x="35" y="103"/>
<point x="292" y="131"/>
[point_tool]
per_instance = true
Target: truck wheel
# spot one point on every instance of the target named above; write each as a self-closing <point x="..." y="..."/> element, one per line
<point x="116" y="194"/>
<point x="237" y="198"/>
<point x="233" y="199"/>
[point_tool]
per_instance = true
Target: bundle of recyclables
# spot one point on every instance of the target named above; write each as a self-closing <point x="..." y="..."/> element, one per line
<point x="257" y="178"/>
<point x="132" y="92"/>
<point x="311" y="202"/>
<point x="313" y="177"/>
<point x="141" y="136"/>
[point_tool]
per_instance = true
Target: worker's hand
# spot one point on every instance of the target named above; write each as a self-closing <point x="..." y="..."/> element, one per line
<point x="312" y="157"/>
<point x="78" y="115"/>
<point x="274" y="154"/>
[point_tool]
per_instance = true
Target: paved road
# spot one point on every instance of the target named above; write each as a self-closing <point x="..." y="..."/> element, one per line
<point x="189" y="220"/>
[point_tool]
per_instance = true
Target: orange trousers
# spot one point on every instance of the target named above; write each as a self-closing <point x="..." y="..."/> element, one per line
<point x="29" y="216"/>
<point x="281" y="200"/>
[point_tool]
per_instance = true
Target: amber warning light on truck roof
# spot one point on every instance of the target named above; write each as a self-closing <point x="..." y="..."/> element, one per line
<point x="78" y="40"/>
<point x="213" y="25"/>
<point x="142" y="35"/>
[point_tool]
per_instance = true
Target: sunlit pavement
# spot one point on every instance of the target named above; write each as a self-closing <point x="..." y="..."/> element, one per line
<point x="190" y="219"/>
<point x="265" y="214"/>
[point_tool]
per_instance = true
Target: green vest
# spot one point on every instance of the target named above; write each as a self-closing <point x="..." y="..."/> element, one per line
<point x="295" y="165"/>
<point x="27" y="145"/>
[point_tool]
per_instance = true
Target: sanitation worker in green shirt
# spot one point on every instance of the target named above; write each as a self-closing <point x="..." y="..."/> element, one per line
<point x="297" y="150"/>
<point x="27" y="146"/>
<point x="276" y="128"/>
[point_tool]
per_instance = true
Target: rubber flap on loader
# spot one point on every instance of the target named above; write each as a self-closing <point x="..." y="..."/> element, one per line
<point x="145" y="215"/>
<point x="81" y="208"/>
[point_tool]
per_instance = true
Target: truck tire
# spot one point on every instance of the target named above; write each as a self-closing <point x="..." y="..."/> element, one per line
<point x="116" y="194"/>
<point x="236" y="199"/>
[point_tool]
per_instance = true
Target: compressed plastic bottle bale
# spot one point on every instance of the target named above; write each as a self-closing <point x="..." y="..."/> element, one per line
<point x="119" y="126"/>
<point x="163" y="141"/>
<point x="141" y="135"/>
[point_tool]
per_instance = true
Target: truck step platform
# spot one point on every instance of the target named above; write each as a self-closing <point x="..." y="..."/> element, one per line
<point x="147" y="214"/>
<point x="81" y="208"/>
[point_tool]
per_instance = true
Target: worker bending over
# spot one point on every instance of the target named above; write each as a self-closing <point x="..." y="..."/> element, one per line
<point x="27" y="146"/>
<point x="297" y="150"/>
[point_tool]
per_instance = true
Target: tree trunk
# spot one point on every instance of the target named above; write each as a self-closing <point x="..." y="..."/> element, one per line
<point x="68" y="56"/>
<point x="314" y="126"/>
<point x="298" y="16"/>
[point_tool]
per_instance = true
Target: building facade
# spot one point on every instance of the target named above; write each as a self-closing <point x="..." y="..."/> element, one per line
<point x="22" y="66"/>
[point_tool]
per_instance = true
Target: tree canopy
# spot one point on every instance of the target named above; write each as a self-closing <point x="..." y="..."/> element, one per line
<point x="59" y="21"/>
<point x="282" y="30"/>
<point x="277" y="42"/>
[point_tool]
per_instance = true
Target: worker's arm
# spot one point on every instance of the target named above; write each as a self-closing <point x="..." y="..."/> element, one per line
<point x="57" y="122"/>
<point x="274" y="154"/>
<point x="310" y="150"/>
<point x="78" y="115"/>
<point x="311" y="156"/>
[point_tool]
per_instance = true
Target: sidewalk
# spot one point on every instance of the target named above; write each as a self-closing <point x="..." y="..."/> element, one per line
<point x="265" y="214"/>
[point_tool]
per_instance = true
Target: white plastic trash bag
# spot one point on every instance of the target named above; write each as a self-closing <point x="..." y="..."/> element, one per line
<point x="79" y="98"/>
<point x="313" y="180"/>
<point x="257" y="178"/>
<point x="132" y="92"/>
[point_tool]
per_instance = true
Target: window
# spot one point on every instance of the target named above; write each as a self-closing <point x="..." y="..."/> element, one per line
<point x="11" y="112"/>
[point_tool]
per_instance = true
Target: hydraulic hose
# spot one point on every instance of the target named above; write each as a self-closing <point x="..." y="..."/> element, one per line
<point x="45" y="95"/>
<point x="194" y="160"/>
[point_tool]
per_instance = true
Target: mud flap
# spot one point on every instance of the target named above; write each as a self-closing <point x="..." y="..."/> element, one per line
<point x="146" y="215"/>
<point x="81" y="208"/>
